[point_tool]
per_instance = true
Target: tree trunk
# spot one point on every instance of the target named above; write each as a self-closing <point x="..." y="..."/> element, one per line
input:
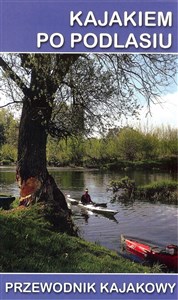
<point x="33" y="178"/>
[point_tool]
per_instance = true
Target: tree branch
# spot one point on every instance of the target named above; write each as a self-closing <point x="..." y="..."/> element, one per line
<point x="9" y="103"/>
<point x="63" y="63"/>
<point x="13" y="76"/>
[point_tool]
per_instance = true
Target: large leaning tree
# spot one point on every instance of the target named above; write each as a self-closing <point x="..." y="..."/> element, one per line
<point x="65" y="94"/>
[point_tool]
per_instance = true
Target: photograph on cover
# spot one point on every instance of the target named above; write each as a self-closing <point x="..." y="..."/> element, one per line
<point x="88" y="163"/>
<point x="88" y="149"/>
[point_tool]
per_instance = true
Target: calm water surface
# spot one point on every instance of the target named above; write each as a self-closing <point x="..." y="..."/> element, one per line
<point x="150" y="221"/>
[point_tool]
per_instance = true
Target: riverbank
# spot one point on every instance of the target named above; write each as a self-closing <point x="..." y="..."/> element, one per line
<point x="165" y="191"/>
<point x="28" y="244"/>
<point x="165" y="164"/>
<point x="168" y="164"/>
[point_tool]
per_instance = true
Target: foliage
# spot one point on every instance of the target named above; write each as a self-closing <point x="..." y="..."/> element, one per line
<point x="8" y="137"/>
<point x="119" y="147"/>
<point x="2" y="134"/>
<point x="65" y="152"/>
<point x="164" y="191"/>
<point x="147" y="149"/>
<point x="8" y="153"/>
<point x="8" y="128"/>
<point x="124" y="183"/>
<point x="129" y="143"/>
<point x="168" y="140"/>
<point x="57" y="152"/>
<point x="25" y="231"/>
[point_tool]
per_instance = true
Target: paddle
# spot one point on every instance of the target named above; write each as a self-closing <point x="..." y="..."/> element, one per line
<point x="100" y="204"/>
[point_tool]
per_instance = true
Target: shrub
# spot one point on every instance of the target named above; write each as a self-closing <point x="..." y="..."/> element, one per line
<point x="162" y="190"/>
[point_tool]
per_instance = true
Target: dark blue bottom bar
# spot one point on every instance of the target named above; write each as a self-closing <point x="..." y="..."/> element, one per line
<point x="88" y="286"/>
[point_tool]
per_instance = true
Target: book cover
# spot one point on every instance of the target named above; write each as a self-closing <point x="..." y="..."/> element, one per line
<point x="88" y="149"/>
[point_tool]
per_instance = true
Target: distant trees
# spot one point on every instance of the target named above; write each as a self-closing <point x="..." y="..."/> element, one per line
<point x="132" y="144"/>
<point x="8" y="137"/>
<point x="129" y="144"/>
<point x="168" y="140"/>
<point x="2" y="134"/>
<point x="64" y="152"/>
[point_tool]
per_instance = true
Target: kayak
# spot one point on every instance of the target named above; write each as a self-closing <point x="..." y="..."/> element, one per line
<point x="5" y="201"/>
<point x="76" y="202"/>
<point x="167" y="256"/>
<point x="97" y="208"/>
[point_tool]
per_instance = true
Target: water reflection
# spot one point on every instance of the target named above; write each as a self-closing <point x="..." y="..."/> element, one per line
<point x="79" y="212"/>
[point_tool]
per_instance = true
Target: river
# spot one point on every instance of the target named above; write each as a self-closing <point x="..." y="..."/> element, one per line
<point x="150" y="221"/>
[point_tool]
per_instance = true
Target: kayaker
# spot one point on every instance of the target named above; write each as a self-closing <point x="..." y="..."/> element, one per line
<point x="86" y="199"/>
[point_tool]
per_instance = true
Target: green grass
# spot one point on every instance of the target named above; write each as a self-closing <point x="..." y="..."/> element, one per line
<point x="29" y="245"/>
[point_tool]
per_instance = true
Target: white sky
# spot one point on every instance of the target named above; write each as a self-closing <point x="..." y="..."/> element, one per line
<point x="165" y="113"/>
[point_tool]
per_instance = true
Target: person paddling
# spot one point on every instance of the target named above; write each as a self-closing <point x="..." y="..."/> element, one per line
<point x="86" y="199"/>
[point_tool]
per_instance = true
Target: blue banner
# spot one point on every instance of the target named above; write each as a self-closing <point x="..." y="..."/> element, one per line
<point x="88" y="286"/>
<point x="89" y="26"/>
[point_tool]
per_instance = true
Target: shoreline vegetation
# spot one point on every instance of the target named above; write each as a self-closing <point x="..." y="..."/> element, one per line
<point x="164" y="191"/>
<point x="139" y="147"/>
<point x="167" y="164"/>
<point x="29" y="243"/>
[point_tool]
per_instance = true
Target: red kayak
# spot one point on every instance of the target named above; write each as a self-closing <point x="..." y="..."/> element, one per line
<point x="167" y="256"/>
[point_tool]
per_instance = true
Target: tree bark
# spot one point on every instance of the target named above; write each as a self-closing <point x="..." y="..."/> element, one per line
<point x="33" y="178"/>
